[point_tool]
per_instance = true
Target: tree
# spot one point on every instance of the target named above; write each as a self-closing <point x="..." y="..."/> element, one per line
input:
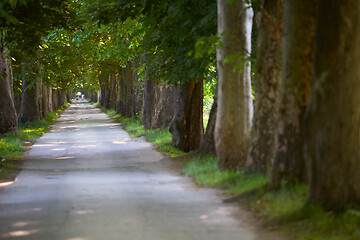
<point x="263" y="142"/>
<point x="333" y="117"/>
<point x="8" y="118"/>
<point x="299" y="29"/>
<point x="187" y="125"/>
<point x="234" y="91"/>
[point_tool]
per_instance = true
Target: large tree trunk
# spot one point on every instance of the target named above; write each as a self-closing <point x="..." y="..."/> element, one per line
<point x="30" y="99"/>
<point x="126" y="91"/>
<point x="113" y="91"/>
<point x="50" y="97"/>
<point x="299" y="28"/>
<point x="121" y="96"/>
<point x="8" y="118"/>
<point x="166" y="103"/>
<point x="104" y="90"/>
<point x="138" y="93"/>
<point x="150" y="102"/>
<point x="208" y="143"/>
<point x="128" y="79"/>
<point x="45" y="100"/>
<point x="333" y="117"/>
<point x="267" y="81"/>
<point x="234" y="92"/>
<point x="187" y="125"/>
<point x="62" y="97"/>
<point x="55" y="99"/>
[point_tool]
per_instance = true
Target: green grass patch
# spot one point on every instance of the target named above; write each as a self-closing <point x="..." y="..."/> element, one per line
<point x="205" y="172"/>
<point x="285" y="208"/>
<point x="13" y="144"/>
<point x="161" y="138"/>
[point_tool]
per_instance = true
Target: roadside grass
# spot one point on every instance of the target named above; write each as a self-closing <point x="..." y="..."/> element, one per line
<point x="285" y="209"/>
<point x="13" y="144"/>
<point x="161" y="138"/>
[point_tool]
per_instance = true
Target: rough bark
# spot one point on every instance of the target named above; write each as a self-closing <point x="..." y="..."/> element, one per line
<point x="121" y="96"/>
<point x="263" y="137"/>
<point x="333" y="117"/>
<point x="45" y="100"/>
<point x="104" y="90"/>
<point x="126" y="91"/>
<point x="50" y="97"/>
<point x="62" y="97"/>
<point x="138" y="93"/>
<point x="8" y="118"/>
<point x="166" y="103"/>
<point x="299" y="29"/>
<point x="150" y="101"/>
<point x="128" y="79"/>
<point x="113" y="91"/>
<point x="187" y="125"/>
<point x="55" y="99"/>
<point x="30" y="98"/>
<point x="208" y="143"/>
<point x="233" y="119"/>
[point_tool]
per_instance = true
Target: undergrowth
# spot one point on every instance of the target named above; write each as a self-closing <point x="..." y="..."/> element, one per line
<point x="13" y="144"/>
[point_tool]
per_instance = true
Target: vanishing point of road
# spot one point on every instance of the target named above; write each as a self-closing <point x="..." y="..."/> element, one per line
<point x="87" y="180"/>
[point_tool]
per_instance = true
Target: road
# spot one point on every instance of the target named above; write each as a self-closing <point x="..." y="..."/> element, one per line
<point x="87" y="180"/>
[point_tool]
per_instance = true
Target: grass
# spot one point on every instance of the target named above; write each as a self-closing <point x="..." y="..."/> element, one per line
<point x="161" y="138"/>
<point x="285" y="208"/>
<point x="13" y="144"/>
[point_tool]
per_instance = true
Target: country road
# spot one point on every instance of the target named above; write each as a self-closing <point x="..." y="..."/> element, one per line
<point x="87" y="180"/>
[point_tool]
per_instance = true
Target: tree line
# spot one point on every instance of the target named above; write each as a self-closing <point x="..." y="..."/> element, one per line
<point x="282" y="74"/>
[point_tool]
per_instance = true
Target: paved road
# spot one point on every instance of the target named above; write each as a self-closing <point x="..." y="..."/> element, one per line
<point x="87" y="180"/>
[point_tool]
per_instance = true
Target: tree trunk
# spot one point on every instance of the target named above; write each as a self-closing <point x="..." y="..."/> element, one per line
<point x="8" y="118"/>
<point x="333" y="117"/>
<point x="30" y="110"/>
<point x="121" y="96"/>
<point x="128" y="79"/>
<point x="150" y="102"/>
<point x="62" y="97"/>
<point x="166" y="103"/>
<point x="50" y="97"/>
<point x="138" y="93"/>
<point x="45" y="100"/>
<point x="113" y="91"/>
<point x="187" y="125"/>
<point x="208" y="143"/>
<point x="104" y="90"/>
<point x="55" y="99"/>
<point x="234" y="91"/>
<point x="299" y="28"/>
<point x="263" y="138"/>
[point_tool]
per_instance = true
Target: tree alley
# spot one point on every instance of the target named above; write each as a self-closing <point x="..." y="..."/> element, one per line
<point x="153" y="59"/>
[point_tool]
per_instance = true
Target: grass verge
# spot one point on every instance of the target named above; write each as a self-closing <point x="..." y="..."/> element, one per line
<point x="161" y="138"/>
<point x="13" y="144"/>
<point x="283" y="209"/>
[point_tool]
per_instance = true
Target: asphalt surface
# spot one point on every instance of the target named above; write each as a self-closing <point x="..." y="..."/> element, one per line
<point x="87" y="180"/>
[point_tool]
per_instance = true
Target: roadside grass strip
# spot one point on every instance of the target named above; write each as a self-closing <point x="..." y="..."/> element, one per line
<point x="12" y="145"/>
<point x="285" y="209"/>
<point x="161" y="138"/>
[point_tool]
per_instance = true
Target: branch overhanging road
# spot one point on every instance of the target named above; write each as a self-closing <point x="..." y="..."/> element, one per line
<point x="87" y="180"/>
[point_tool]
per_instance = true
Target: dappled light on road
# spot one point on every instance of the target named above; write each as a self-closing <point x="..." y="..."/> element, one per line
<point x="20" y="233"/>
<point x="98" y="183"/>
